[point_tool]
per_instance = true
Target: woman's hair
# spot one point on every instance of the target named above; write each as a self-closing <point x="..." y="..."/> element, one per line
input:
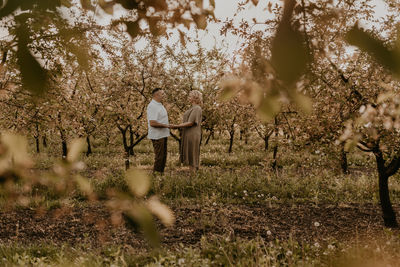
<point x="196" y="96"/>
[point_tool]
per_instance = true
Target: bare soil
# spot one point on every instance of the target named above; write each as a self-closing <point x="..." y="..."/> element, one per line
<point x="91" y="225"/>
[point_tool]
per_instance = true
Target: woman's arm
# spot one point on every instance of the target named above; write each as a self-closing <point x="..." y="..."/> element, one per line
<point x="184" y="125"/>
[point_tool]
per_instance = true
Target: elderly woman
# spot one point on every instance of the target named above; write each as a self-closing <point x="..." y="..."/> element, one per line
<point x="191" y="131"/>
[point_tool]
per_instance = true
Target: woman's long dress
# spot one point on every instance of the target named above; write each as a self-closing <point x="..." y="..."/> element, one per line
<point x="191" y="137"/>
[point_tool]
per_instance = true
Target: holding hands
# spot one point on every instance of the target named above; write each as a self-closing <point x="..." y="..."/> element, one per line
<point x="173" y="126"/>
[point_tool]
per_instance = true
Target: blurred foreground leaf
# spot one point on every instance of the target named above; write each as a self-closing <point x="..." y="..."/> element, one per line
<point x="229" y="88"/>
<point x="77" y="147"/>
<point x="162" y="211"/>
<point x="303" y="102"/>
<point x="375" y="47"/>
<point x="132" y="28"/>
<point x="140" y="217"/>
<point x="138" y="182"/>
<point x="289" y="54"/>
<point x="33" y="76"/>
<point x="16" y="147"/>
<point x="268" y="108"/>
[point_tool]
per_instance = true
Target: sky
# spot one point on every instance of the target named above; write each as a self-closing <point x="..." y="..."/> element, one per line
<point x="224" y="9"/>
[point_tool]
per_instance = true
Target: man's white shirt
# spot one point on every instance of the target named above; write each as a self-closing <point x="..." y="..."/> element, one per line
<point x="157" y="112"/>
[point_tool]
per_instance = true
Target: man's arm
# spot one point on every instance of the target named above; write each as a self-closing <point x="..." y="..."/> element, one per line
<point x="156" y="124"/>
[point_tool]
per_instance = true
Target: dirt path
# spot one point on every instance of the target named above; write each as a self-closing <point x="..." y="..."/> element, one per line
<point x="91" y="226"/>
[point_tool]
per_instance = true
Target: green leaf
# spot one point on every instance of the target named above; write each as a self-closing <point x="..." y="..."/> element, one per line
<point x="303" y="102"/>
<point x="84" y="185"/>
<point x="66" y="3"/>
<point x="133" y="28"/>
<point x="212" y="3"/>
<point x="81" y="54"/>
<point x="108" y="7"/>
<point x="200" y="20"/>
<point x="138" y="182"/>
<point x="128" y="4"/>
<point x="33" y="76"/>
<point x="350" y="145"/>
<point x="141" y="217"/>
<point x="16" y="148"/>
<point x="182" y="38"/>
<point x="373" y="46"/>
<point x="229" y="88"/>
<point x="255" y="2"/>
<point x="86" y="4"/>
<point x="154" y="27"/>
<point x="159" y="5"/>
<point x="289" y="54"/>
<point x="162" y="211"/>
<point x="76" y="148"/>
<point x="269" y="107"/>
<point x="9" y="7"/>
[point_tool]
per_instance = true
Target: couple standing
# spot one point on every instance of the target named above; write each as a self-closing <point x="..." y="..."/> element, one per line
<point x="158" y="130"/>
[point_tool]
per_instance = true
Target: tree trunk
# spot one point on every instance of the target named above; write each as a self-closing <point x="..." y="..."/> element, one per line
<point x="37" y="144"/>
<point x="276" y="130"/>
<point x="274" y="160"/>
<point x="131" y="138"/>
<point x="64" y="149"/>
<point x="231" y="135"/>
<point x="127" y="163"/>
<point x="389" y="216"/>
<point x="44" y="141"/>
<point x="343" y="160"/>
<point x="126" y="147"/>
<point x="37" y="136"/>
<point x="266" y="142"/>
<point x="63" y="144"/>
<point x="89" y="146"/>
<point x="177" y="138"/>
<point x="209" y="137"/>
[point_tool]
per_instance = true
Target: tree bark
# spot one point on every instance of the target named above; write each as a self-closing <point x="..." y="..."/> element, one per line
<point x="89" y="146"/>
<point x="388" y="214"/>
<point x="343" y="160"/>
<point x="266" y="142"/>
<point x="44" y="141"/>
<point x="232" y="136"/>
<point x="37" y="136"/>
<point x="209" y="137"/>
<point x="127" y="162"/>
<point x="64" y="149"/>
<point x="37" y="144"/>
<point x="131" y="138"/>
<point x="64" y="146"/>
<point x="177" y="138"/>
<point x="274" y="157"/>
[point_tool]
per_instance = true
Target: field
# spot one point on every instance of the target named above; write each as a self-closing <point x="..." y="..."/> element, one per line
<point x="235" y="211"/>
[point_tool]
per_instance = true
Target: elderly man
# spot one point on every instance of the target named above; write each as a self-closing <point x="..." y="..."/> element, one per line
<point x="158" y="125"/>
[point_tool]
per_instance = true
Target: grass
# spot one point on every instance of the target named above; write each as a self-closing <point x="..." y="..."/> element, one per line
<point x="243" y="177"/>
<point x="213" y="251"/>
